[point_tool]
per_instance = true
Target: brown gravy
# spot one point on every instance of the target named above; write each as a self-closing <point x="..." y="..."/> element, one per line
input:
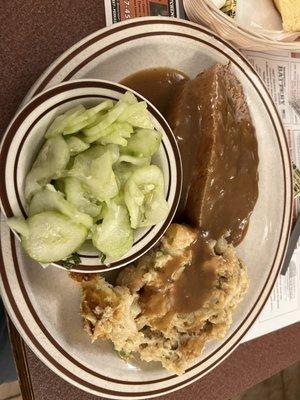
<point x="195" y="284"/>
<point x="187" y="293"/>
<point x="158" y="85"/>
<point x="218" y="146"/>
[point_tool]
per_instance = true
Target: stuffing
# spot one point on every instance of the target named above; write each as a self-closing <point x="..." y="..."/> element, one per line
<point x="158" y="309"/>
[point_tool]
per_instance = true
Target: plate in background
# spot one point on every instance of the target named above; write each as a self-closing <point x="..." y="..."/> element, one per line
<point x="204" y="12"/>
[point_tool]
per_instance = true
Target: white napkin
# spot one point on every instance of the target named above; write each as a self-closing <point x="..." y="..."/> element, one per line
<point x="262" y="18"/>
<point x="258" y="14"/>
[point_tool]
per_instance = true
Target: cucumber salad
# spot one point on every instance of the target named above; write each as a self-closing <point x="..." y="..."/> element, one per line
<point x="93" y="180"/>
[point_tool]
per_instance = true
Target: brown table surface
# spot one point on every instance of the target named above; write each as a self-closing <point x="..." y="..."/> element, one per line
<point x="32" y="34"/>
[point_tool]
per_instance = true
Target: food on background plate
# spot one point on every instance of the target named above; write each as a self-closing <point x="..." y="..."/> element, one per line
<point x="151" y="312"/>
<point x="229" y="8"/>
<point x="226" y="6"/>
<point x="93" y="179"/>
<point x="290" y="13"/>
<point x="167" y="305"/>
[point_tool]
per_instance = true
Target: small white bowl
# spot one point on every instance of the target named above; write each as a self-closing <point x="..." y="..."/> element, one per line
<point x="25" y="136"/>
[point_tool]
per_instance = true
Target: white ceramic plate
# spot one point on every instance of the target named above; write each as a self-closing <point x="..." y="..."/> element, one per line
<point x="44" y="304"/>
<point x="25" y="136"/>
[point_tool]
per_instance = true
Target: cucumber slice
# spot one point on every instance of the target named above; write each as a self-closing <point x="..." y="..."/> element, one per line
<point x="143" y="143"/>
<point x="52" y="237"/>
<point x="114" y="237"/>
<point x="111" y="116"/>
<point x="82" y="137"/>
<point x="74" y="112"/>
<point x="89" y="115"/>
<point x="50" y="200"/>
<point x="136" y="114"/>
<point x="139" y="120"/>
<point x="140" y="161"/>
<point x="51" y="188"/>
<point x="120" y="133"/>
<point x="122" y="129"/>
<point x="99" y="117"/>
<point x="79" y="125"/>
<point x="129" y="98"/>
<point x="155" y="210"/>
<point x="49" y="164"/>
<point x="114" y="151"/>
<point x="87" y="118"/>
<point x="104" y="105"/>
<point x="100" y="134"/>
<point x="57" y="127"/>
<point x="103" y="183"/>
<point x="144" y="197"/>
<point x="114" y="138"/>
<point x="123" y="170"/>
<point x="96" y="174"/>
<point x="60" y="123"/>
<point x="134" y="200"/>
<point x="76" y="145"/>
<point x="94" y="152"/>
<point x="137" y="108"/>
<point x="90" y="154"/>
<point x="19" y="225"/>
<point x="76" y="195"/>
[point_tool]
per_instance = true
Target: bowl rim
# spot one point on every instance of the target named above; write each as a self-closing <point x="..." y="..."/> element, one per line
<point x="85" y="84"/>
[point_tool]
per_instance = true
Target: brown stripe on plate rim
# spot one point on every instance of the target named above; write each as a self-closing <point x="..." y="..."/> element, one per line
<point x="85" y="44"/>
<point x="88" y="41"/>
<point x="73" y="85"/>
